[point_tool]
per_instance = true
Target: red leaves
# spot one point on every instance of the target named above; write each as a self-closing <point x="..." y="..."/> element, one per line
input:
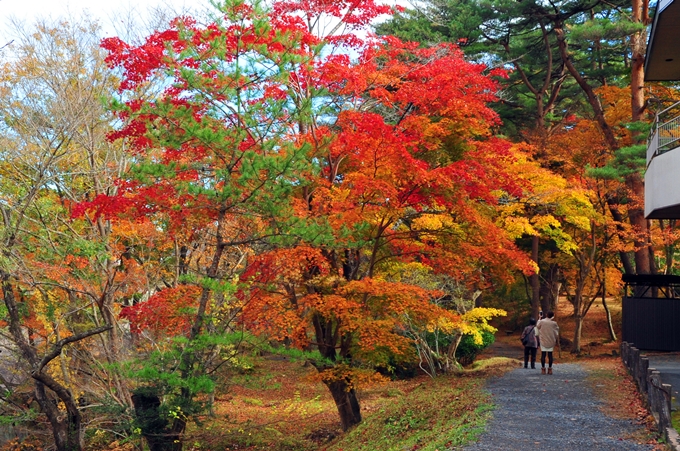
<point x="139" y="62"/>
<point x="168" y="311"/>
<point x="408" y="170"/>
<point x="355" y="13"/>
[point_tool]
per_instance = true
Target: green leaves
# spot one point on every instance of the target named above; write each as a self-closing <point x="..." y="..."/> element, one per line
<point x="627" y="160"/>
<point x="602" y="29"/>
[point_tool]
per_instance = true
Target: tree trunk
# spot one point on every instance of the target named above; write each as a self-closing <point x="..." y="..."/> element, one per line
<point x="66" y="429"/>
<point x="346" y="401"/>
<point x="60" y="430"/>
<point x="638" y="47"/>
<point x="576" y="345"/>
<point x="556" y="297"/>
<point x="550" y="288"/>
<point x="112" y="345"/>
<point x="534" y="280"/>
<point x="451" y="362"/>
<point x="636" y="215"/>
<point x="634" y="182"/>
<point x="154" y="428"/>
<point x="669" y="248"/>
<point x="612" y="334"/>
<point x="623" y="255"/>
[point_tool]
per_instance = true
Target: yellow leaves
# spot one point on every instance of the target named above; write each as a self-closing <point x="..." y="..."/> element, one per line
<point x="472" y="323"/>
<point x="447" y="324"/>
<point x="546" y="222"/>
<point x="518" y="226"/>
<point x="412" y="271"/>
<point x="582" y="222"/>
<point x="481" y="315"/>
<point x="549" y="205"/>
<point x="476" y="321"/>
<point x="429" y="222"/>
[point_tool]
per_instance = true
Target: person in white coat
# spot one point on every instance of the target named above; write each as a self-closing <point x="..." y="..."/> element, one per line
<point x="548" y="334"/>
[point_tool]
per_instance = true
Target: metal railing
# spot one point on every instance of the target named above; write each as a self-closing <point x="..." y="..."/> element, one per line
<point x="665" y="133"/>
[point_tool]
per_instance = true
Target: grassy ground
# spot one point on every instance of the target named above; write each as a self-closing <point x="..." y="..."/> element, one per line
<point x="432" y="415"/>
<point x="277" y="407"/>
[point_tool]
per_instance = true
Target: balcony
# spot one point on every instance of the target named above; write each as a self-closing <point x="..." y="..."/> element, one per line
<point x="662" y="196"/>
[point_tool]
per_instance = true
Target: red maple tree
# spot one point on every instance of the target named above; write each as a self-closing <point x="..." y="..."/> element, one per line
<point x="268" y="138"/>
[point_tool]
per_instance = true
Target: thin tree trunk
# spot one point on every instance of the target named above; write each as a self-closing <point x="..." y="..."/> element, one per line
<point x="623" y="255"/>
<point x="534" y="279"/>
<point x="66" y="429"/>
<point x="556" y="297"/>
<point x="578" y="322"/>
<point x="550" y="287"/>
<point x="636" y="216"/>
<point x="451" y="362"/>
<point x="612" y="334"/>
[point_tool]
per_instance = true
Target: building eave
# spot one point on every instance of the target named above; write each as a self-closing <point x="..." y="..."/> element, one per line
<point x="662" y="62"/>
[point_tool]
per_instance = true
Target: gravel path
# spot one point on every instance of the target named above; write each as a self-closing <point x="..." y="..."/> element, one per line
<point x="558" y="412"/>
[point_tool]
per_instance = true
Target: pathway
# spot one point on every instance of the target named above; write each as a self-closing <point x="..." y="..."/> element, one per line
<point x="557" y="413"/>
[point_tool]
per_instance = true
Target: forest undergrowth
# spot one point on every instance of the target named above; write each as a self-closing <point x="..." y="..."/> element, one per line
<point x="277" y="405"/>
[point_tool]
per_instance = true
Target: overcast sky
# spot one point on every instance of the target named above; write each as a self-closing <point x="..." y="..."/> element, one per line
<point x="28" y="9"/>
<point x="106" y="12"/>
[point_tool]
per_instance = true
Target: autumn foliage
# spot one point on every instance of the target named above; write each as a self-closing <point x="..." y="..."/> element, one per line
<point x="168" y="312"/>
<point x="293" y="170"/>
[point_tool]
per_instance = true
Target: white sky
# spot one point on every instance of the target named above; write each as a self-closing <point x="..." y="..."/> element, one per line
<point x="106" y="12"/>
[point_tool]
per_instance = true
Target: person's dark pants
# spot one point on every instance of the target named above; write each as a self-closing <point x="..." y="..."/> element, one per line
<point x="550" y="358"/>
<point x="529" y="350"/>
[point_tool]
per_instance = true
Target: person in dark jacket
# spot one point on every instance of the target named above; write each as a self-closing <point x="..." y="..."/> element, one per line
<point x="530" y="343"/>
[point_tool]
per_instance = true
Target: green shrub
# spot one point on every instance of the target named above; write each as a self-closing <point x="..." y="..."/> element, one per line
<point x="467" y="349"/>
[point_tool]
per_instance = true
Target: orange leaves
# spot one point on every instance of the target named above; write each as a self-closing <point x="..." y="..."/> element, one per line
<point x="168" y="311"/>
<point x="354" y="377"/>
<point x="373" y="311"/>
<point x="76" y="261"/>
<point x="287" y="266"/>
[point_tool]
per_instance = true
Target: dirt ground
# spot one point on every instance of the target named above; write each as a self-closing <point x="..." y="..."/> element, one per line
<point x="595" y="338"/>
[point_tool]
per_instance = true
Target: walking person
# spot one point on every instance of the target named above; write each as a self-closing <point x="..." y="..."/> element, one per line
<point x="548" y="334"/>
<point x="530" y="342"/>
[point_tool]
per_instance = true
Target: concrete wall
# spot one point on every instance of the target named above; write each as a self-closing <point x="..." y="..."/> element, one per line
<point x="662" y="186"/>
